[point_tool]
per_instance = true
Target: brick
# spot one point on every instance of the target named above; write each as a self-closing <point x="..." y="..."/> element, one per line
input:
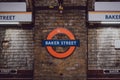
<point x="102" y="54"/>
<point x="20" y="51"/>
<point x="48" y="67"/>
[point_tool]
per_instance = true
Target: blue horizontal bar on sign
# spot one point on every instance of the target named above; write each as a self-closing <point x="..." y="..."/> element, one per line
<point x="60" y="43"/>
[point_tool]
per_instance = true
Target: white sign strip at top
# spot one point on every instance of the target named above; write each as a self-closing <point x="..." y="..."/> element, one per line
<point x="12" y="7"/>
<point x="16" y="17"/>
<point x="104" y="16"/>
<point x="107" y="6"/>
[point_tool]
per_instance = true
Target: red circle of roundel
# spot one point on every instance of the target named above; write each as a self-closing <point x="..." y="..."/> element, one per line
<point x="60" y="31"/>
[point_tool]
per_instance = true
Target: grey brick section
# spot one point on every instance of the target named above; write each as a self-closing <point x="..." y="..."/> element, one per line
<point x="102" y="53"/>
<point x="17" y="52"/>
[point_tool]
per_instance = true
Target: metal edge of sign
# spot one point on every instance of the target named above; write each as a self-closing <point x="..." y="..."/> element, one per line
<point x="103" y="12"/>
<point x="15" y="12"/>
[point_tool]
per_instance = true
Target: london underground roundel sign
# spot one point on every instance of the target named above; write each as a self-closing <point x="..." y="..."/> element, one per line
<point x="49" y="43"/>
